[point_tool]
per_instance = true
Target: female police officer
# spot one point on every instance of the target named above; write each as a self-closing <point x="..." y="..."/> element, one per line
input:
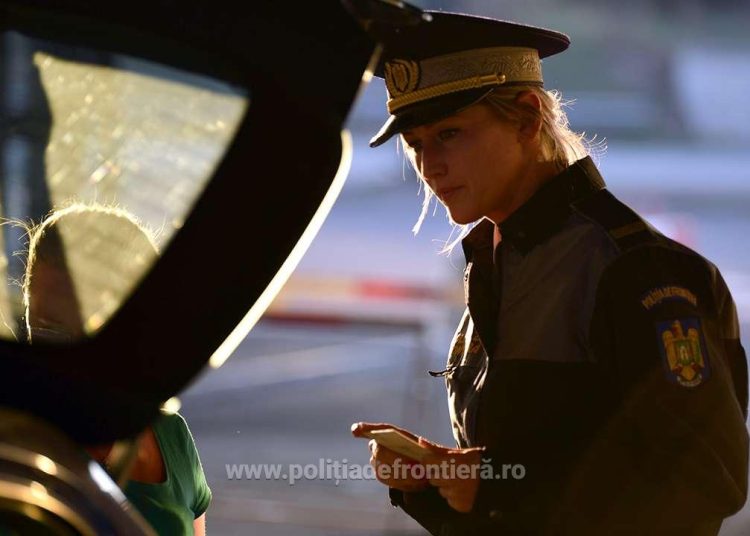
<point x="598" y="355"/>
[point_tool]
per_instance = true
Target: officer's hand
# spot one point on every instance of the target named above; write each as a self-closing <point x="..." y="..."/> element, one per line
<point x="458" y="472"/>
<point x="391" y="469"/>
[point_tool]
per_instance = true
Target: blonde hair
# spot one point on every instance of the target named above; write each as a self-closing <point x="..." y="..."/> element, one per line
<point x="105" y="249"/>
<point x="559" y="144"/>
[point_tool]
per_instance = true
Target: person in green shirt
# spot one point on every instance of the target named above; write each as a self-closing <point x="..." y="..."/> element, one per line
<point x="167" y="484"/>
<point x="83" y="262"/>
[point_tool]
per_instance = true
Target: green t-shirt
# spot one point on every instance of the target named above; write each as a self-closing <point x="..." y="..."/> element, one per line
<point x="171" y="506"/>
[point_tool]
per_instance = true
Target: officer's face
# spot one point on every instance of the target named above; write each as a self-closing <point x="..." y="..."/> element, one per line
<point x="474" y="162"/>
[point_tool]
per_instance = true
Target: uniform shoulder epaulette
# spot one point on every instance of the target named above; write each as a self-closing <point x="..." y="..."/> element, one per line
<point x="623" y="225"/>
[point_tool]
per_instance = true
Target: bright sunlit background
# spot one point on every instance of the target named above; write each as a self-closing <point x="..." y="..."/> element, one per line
<point x="663" y="83"/>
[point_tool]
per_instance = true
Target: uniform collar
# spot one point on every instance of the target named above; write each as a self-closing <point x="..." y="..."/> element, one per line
<point x="544" y="213"/>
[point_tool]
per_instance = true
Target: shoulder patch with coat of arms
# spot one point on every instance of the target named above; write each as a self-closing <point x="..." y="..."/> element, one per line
<point x="683" y="351"/>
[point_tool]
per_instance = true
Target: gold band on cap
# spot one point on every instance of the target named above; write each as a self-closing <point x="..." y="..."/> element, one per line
<point x="409" y="82"/>
<point x="439" y="90"/>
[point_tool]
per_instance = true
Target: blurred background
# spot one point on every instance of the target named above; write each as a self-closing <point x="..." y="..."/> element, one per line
<point x="662" y="84"/>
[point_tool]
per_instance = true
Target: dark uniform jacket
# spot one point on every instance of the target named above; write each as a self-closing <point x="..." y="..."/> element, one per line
<point x="603" y="358"/>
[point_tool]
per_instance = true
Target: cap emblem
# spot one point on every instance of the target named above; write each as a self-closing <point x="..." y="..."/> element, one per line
<point x="401" y="76"/>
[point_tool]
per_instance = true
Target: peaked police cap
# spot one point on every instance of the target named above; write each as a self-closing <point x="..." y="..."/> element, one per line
<point x="450" y="61"/>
